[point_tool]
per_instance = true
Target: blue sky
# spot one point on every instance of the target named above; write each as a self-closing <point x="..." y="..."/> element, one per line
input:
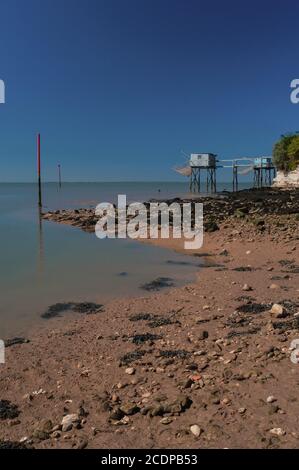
<point x="118" y="87"/>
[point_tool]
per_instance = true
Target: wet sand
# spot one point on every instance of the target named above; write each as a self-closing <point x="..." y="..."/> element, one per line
<point x="203" y="366"/>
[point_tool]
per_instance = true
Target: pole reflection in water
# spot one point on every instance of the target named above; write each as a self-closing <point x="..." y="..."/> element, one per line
<point x="40" y="240"/>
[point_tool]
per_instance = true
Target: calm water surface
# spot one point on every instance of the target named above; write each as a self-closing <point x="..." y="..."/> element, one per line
<point x="43" y="262"/>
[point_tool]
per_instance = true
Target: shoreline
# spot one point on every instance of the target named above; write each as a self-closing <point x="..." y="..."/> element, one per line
<point x="140" y="373"/>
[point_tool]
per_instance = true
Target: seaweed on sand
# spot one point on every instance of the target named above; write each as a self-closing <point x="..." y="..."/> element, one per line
<point x="157" y="284"/>
<point x="57" y="309"/>
<point x="14" y="445"/>
<point x="253" y="307"/>
<point x="8" y="410"/>
<point x="143" y="338"/>
<point x="160" y="321"/>
<point x="243" y="269"/>
<point x="141" y="316"/>
<point x="250" y="331"/>
<point x="16" y="340"/>
<point x="131" y="357"/>
<point x="180" y="353"/>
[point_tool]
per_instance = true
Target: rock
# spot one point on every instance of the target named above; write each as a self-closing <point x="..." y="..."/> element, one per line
<point x="242" y="410"/>
<point x="68" y="421"/>
<point x="277" y="431"/>
<point x="203" y="335"/>
<point x="271" y="399"/>
<point x="196" y="430"/>
<point x="274" y="286"/>
<point x="129" y="408"/>
<point x="45" y="425"/>
<point x="40" y="435"/>
<point x="225" y="401"/>
<point x="130" y="370"/>
<point x="117" y="414"/>
<point x="81" y="443"/>
<point x="247" y="288"/>
<point x="166" y="420"/>
<point x="278" y="311"/>
<point x="188" y="383"/>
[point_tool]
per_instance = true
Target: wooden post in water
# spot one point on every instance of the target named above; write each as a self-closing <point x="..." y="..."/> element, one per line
<point x="39" y="172"/>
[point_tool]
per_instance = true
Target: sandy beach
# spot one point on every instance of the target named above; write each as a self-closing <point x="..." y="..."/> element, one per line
<point x="207" y="365"/>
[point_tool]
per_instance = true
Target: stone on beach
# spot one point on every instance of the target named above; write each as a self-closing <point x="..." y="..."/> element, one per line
<point x="196" y="430"/>
<point x="68" y="421"/>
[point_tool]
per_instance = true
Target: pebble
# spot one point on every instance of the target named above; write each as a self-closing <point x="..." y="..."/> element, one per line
<point x="246" y="287"/>
<point x="225" y="401"/>
<point x="274" y="286"/>
<point x="277" y="431"/>
<point x="277" y="310"/>
<point x="242" y="410"/>
<point x="203" y="335"/>
<point x="271" y="399"/>
<point x="130" y="370"/>
<point x="196" y="430"/>
<point x="166" y="420"/>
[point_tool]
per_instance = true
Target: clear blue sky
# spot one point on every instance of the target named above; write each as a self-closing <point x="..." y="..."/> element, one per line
<point x="118" y="87"/>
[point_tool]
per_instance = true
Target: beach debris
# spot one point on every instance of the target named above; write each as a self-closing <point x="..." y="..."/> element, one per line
<point x="8" y="410"/>
<point x="16" y="340"/>
<point x="196" y="430"/>
<point x="57" y="309"/>
<point x="157" y="284"/>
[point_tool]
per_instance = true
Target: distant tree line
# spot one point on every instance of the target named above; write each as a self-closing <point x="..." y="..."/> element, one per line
<point x="286" y="152"/>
